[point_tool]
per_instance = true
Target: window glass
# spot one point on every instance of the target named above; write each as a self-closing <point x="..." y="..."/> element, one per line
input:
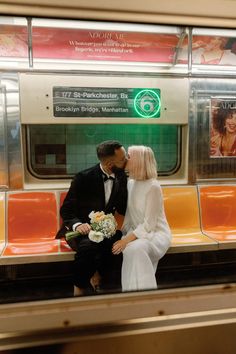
<point x="63" y="150"/>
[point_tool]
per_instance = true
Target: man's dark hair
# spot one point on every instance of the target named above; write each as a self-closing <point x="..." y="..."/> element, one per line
<point x="107" y="148"/>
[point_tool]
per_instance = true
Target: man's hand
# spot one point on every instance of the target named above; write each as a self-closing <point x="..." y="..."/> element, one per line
<point x="83" y="229"/>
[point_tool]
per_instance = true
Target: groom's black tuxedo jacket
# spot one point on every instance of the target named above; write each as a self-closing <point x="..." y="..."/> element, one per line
<point x="87" y="194"/>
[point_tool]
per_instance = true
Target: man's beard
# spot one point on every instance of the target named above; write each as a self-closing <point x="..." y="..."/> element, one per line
<point x="117" y="170"/>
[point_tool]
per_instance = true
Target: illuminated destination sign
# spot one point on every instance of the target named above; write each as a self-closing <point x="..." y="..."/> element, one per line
<point x="106" y="102"/>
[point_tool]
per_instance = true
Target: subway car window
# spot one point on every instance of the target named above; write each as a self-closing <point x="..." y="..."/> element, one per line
<point x="63" y="150"/>
<point x="148" y="262"/>
<point x="78" y="83"/>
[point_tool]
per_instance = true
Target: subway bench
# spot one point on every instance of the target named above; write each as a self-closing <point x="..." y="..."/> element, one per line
<point x="201" y="218"/>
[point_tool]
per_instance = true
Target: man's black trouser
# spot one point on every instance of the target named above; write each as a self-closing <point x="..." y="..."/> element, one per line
<point x="91" y="257"/>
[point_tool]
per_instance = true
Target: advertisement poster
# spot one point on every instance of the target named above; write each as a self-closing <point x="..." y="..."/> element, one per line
<point x="84" y="44"/>
<point x="13" y="41"/>
<point x="214" y="50"/>
<point x="223" y="127"/>
<point x="80" y="44"/>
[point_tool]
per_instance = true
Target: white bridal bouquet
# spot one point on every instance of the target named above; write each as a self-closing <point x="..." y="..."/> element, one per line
<point x="103" y="226"/>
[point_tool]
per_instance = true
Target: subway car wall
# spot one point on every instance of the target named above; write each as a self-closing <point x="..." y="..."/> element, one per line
<point x="65" y="86"/>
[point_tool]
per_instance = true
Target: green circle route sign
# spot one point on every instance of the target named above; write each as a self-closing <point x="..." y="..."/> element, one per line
<point x="147" y="103"/>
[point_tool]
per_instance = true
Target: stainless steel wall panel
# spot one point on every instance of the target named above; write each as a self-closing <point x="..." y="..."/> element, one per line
<point x="4" y="178"/>
<point x="13" y="142"/>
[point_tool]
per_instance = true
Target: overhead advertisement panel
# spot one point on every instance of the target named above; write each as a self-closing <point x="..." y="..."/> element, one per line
<point x="85" y="44"/>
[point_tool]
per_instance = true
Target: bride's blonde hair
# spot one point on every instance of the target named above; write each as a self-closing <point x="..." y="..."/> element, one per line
<point x="142" y="164"/>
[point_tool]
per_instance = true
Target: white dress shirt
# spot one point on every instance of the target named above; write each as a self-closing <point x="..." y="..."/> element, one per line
<point x="108" y="184"/>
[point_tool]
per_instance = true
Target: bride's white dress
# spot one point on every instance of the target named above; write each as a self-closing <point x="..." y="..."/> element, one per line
<point x="145" y="217"/>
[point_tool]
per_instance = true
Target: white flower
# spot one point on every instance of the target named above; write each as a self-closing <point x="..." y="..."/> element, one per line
<point x="91" y="215"/>
<point x="95" y="236"/>
<point x="102" y="226"/>
<point x="100" y="222"/>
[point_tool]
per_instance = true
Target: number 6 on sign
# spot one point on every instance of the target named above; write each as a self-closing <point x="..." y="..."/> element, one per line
<point x="147" y="103"/>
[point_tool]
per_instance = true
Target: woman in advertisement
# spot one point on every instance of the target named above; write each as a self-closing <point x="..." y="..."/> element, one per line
<point x="210" y="50"/>
<point x="223" y="133"/>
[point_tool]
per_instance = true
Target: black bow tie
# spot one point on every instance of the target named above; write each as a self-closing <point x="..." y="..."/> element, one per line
<point x="105" y="177"/>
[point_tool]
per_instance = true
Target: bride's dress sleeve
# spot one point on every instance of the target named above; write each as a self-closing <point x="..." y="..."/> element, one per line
<point x="126" y="224"/>
<point x="153" y="208"/>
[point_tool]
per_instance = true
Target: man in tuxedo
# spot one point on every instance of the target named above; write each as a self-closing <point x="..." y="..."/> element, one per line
<point x="99" y="188"/>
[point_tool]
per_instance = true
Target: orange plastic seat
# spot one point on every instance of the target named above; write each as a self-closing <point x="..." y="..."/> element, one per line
<point x="218" y="213"/>
<point x="32" y="224"/>
<point x="119" y="219"/>
<point x="62" y="197"/>
<point x="2" y="220"/>
<point x="64" y="247"/>
<point x="182" y="212"/>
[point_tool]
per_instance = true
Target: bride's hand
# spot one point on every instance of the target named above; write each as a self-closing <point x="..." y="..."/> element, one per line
<point x="118" y="247"/>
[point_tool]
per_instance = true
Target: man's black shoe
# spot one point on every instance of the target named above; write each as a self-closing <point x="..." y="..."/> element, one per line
<point x="89" y="291"/>
<point x="99" y="290"/>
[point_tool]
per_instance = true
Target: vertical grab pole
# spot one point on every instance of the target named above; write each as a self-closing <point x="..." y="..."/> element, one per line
<point x="30" y="42"/>
<point x="4" y="166"/>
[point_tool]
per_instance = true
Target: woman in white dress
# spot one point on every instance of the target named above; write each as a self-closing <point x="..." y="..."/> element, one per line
<point x="147" y="235"/>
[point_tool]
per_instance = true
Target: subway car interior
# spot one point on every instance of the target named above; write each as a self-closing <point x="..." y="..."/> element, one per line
<point x="153" y="74"/>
